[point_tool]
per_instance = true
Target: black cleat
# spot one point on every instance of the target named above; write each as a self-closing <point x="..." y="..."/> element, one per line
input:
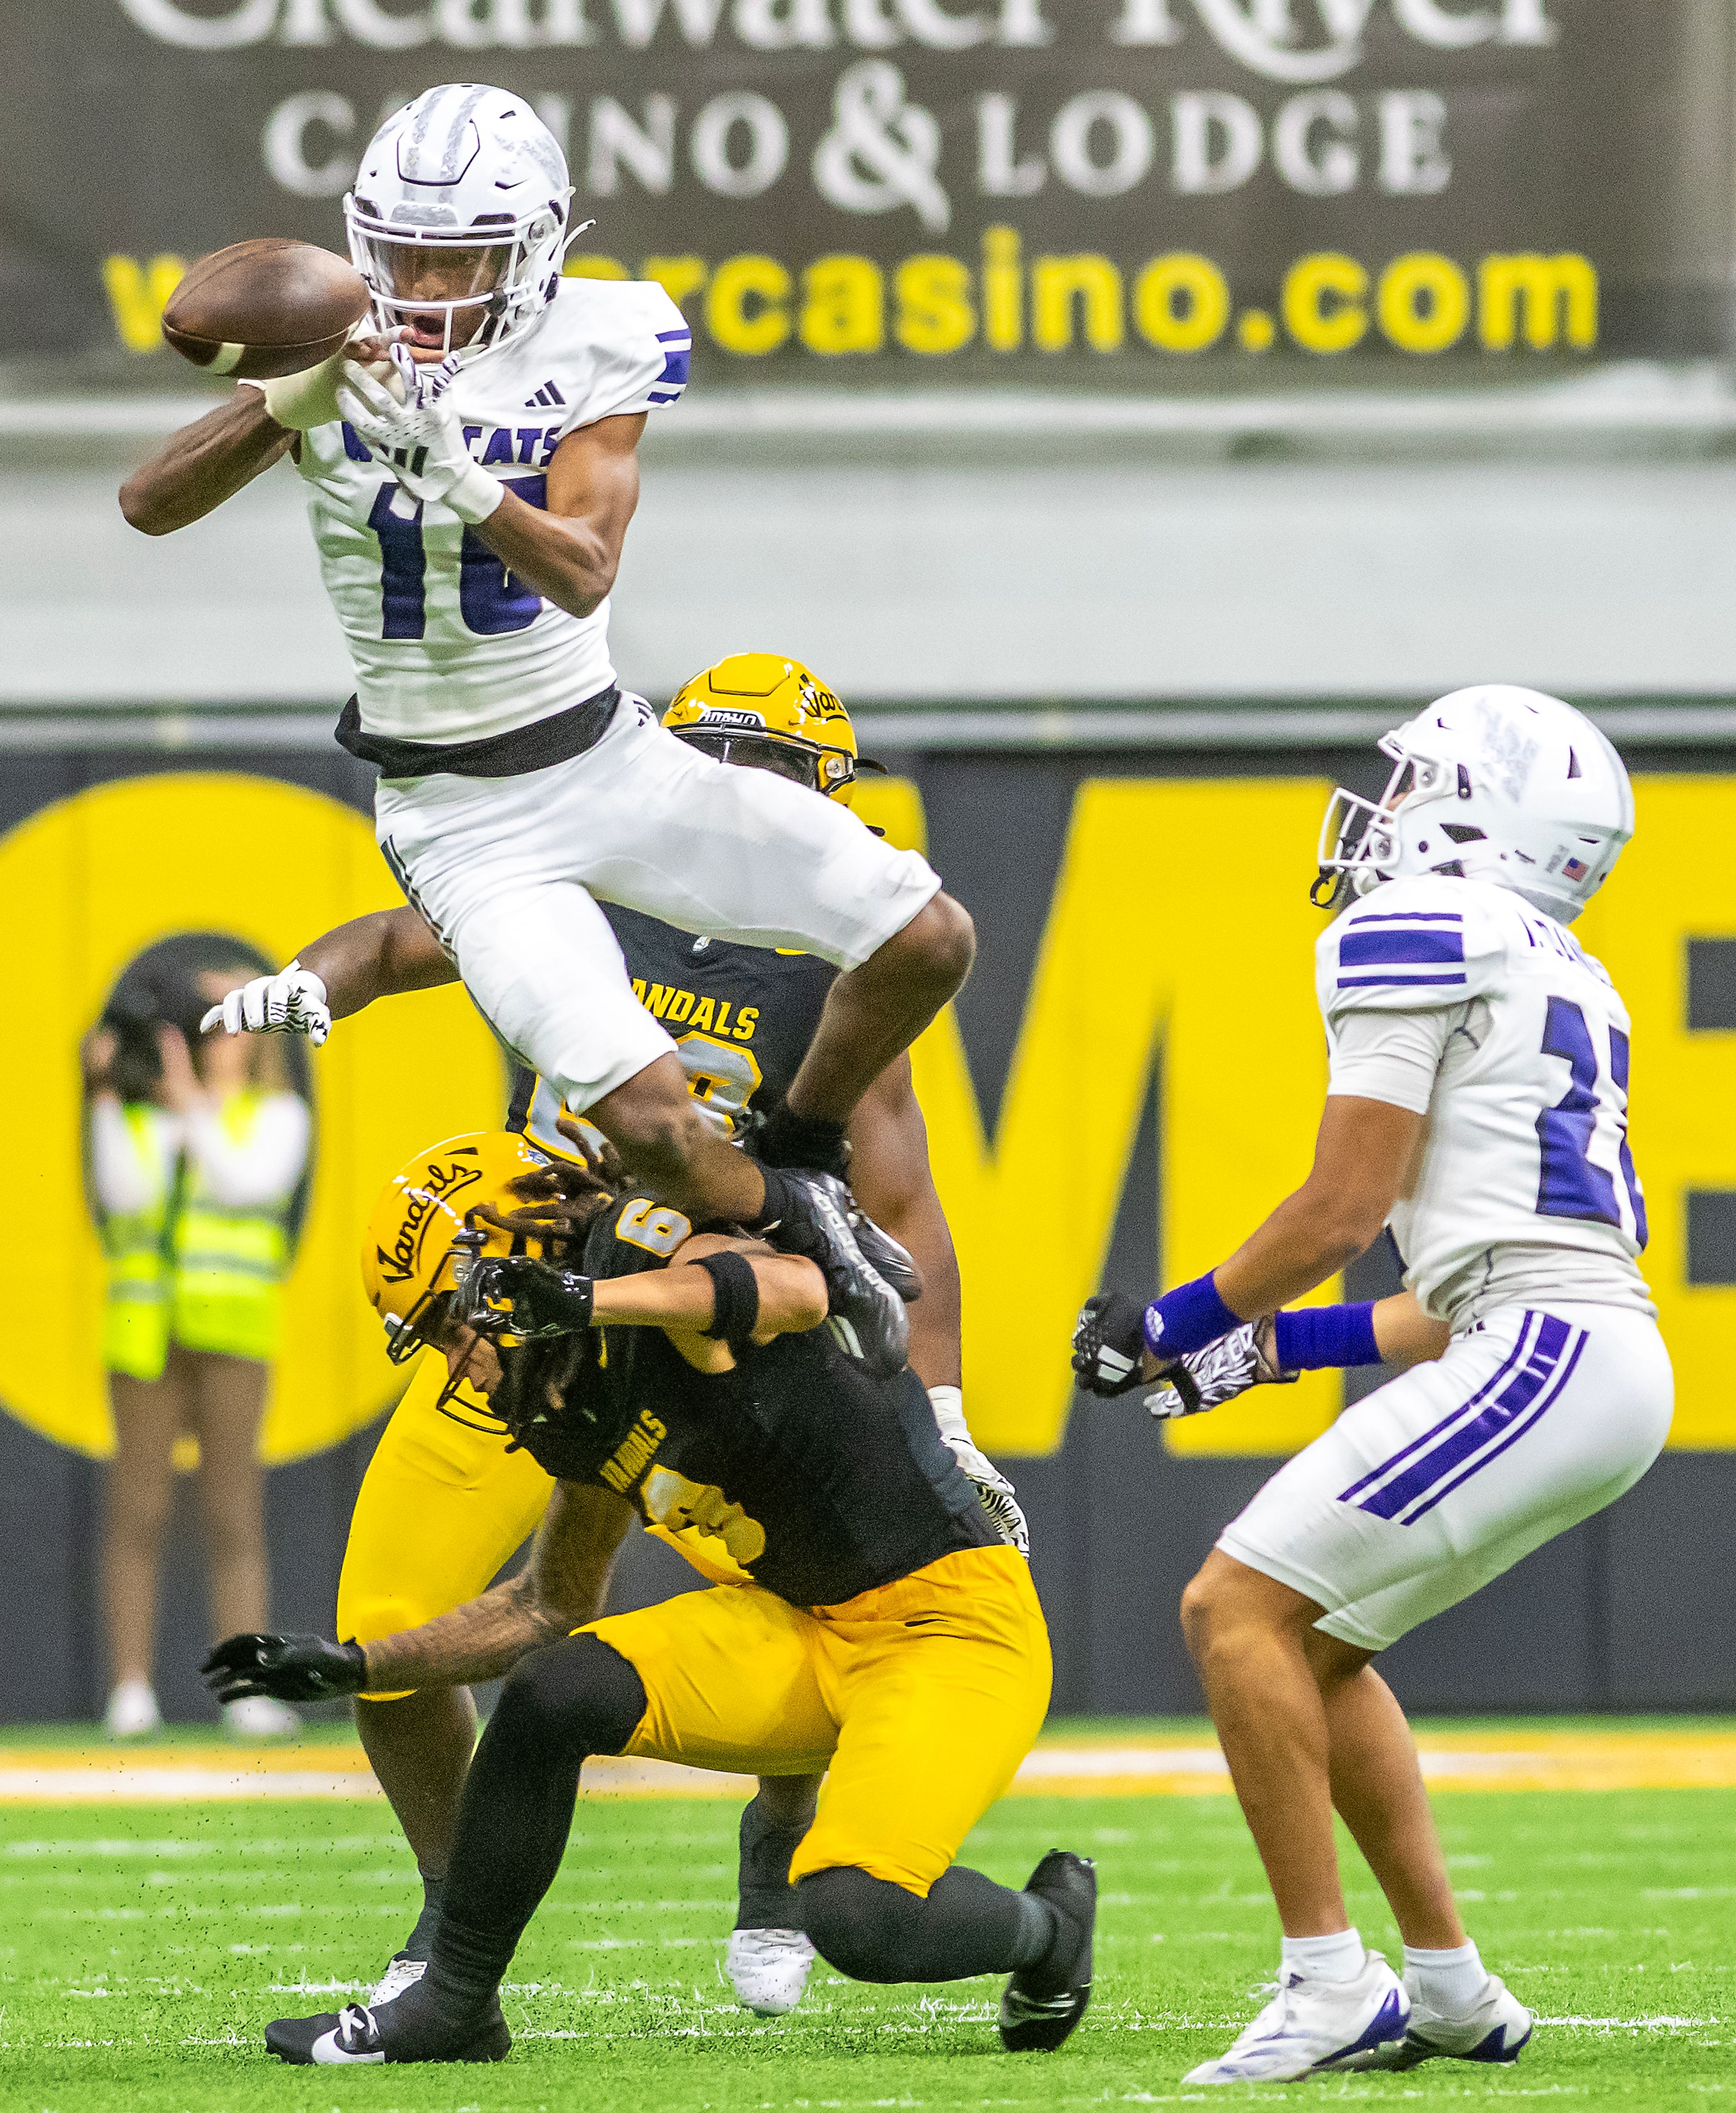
<point x="1044" y="2003"/>
<point x="410" y="2029"/>
<point x="819" y="1218"/>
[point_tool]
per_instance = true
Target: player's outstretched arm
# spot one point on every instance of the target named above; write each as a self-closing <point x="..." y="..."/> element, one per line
<point x="570" y="552"/>
<point x="889" y="1171"/>
<point x="1366" y="1158"/>
<point x="196" y="469"/>
<point x="379" y="956"/>
<point x="561" y="1589"/>
<point x="383" y="955"/>
<point x="789" y="1293"/>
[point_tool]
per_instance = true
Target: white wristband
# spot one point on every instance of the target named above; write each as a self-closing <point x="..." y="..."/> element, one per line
<point x="948" y="1404"/>
<point x="475" y="494"/>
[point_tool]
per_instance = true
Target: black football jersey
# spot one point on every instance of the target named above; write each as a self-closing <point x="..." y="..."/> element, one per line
<point x="820" y="1481"/>
<point x="742" y="1018"/>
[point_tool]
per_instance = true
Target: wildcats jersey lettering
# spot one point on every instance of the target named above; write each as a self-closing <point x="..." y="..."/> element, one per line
<point x="448" y="646"/>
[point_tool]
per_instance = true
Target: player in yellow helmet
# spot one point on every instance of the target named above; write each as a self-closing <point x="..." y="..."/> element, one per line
<point x="690" y="1379"/>
<point x="442" y="1508"/>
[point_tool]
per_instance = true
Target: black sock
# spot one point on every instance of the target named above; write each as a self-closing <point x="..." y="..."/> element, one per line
<point x="1039" y="1926"/>
<point x="418" y="1943"/>
<point x="873" y="1930"/>
<point x="561" y="1705"/>
<point x="767" y="1898"/>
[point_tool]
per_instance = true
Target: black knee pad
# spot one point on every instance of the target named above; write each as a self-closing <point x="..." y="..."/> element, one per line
<point x="865" y="1927"/>
<point x="578" y="1694"/>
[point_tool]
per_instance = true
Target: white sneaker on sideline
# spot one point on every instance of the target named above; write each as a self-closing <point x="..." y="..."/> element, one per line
<point x="402" y="1974"/>
<point x="768" y="1969"/>
<point x="1312" y="2025"/>
<point x="1494" y="2029"/>
<point x="260" y="1718"/>
<point x="132" y="1712"/>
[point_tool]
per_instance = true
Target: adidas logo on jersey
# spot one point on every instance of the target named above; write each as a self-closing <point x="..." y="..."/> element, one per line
<point x="544" y="397"/>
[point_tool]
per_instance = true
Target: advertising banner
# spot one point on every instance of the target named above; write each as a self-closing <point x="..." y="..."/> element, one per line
<point x="1130" y="190"/>
<point x="1132" y="1080"/>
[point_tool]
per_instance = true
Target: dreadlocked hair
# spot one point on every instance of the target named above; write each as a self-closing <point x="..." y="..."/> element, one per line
<point x="558" y="1203"/>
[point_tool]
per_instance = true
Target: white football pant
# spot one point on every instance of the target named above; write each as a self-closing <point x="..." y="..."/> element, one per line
<point x="1423" y="1492"/>
<point x="506" y="869"/>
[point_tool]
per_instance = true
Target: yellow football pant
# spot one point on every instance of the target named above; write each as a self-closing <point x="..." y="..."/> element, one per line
<point x="921" y="1697"/>
<point x="440" y="1508"/>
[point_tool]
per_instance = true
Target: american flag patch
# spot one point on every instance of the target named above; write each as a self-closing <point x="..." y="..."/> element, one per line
<point x="1576" y="869"/>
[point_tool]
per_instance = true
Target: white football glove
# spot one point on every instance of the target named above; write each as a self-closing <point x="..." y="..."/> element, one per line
<point x="994" y="1491"/>
<point x="420" y="440"/>
<point x="1208" y="1378"/>
<point x="291" y="1003"/>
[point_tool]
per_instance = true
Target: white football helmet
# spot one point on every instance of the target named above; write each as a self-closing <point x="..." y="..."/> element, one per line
<point x="457" y="218"/>
<point x="1497" y="784"/>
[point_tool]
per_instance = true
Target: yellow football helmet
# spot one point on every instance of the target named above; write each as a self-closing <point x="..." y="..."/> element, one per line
<point x="424" y="1231"/>
<point x="761" y="709"/>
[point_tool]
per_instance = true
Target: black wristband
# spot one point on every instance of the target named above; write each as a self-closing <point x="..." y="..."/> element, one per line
<point x="736" y="1300"/>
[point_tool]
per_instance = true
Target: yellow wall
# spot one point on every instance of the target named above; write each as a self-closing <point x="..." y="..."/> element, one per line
<point x="1179" y="921"/>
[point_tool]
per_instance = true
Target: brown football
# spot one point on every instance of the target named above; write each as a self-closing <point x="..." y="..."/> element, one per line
<point x="261" y="309"/>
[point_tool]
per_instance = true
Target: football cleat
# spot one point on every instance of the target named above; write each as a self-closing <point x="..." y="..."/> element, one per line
<point x="819" y="1218"/>
<point x="768" y="1969"/>
<point x="409" y="2028"/>
<point x="400" y="1974"/>
<point x="1311" y="2025"/>
<point x="1044" y="2003"/>
<point x="1495" y="2029"/>
<point x="132" y="1712"/>
<point x="258" y="1721"/>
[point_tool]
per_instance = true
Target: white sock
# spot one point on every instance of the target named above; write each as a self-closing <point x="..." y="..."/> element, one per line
<point x="1447" y="1982"/>
<point x="1335" y="1958"/>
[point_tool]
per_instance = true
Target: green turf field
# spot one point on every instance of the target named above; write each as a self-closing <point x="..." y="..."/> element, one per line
<point x="143" y="1948"/>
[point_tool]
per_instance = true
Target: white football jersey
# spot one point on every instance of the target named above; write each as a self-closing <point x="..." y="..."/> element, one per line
<point x="1455" y="998"/>
<point x="448" y="645"/>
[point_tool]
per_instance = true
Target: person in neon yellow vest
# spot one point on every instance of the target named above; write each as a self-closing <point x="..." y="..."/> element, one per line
<point x="194" y="1184"/>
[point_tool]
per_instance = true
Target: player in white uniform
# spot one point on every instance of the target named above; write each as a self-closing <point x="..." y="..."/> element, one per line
<point x="471" y="475"/>
<point x="1477" y="1103"/>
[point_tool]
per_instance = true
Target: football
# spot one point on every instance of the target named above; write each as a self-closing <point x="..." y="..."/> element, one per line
<point x="264" y="308"/>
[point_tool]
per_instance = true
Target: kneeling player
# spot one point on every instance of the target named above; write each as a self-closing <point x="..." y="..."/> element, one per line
<point x="1477" y="1099"/>
<point x="886" y="1633"/>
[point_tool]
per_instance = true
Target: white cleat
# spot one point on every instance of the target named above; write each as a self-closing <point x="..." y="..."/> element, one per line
<point x="1495" y="2028"/>
<point x="260" y="1721"/>
<point x="768" y="1969"/>
<point x="132" y="1712"/>
<point x="400" y="1975"/>
<point x="1311" y="2024"/>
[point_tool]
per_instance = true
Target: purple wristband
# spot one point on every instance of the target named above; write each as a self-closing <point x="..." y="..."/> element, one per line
<point x="1317" y="1337"/>
<point x="1187" y="1318"/>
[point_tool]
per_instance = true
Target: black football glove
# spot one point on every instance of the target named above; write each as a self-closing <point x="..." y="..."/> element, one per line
<point x="1108" y="1343"/>
<point x="517" y="1295"/>
<point x="288" y="1668"/>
